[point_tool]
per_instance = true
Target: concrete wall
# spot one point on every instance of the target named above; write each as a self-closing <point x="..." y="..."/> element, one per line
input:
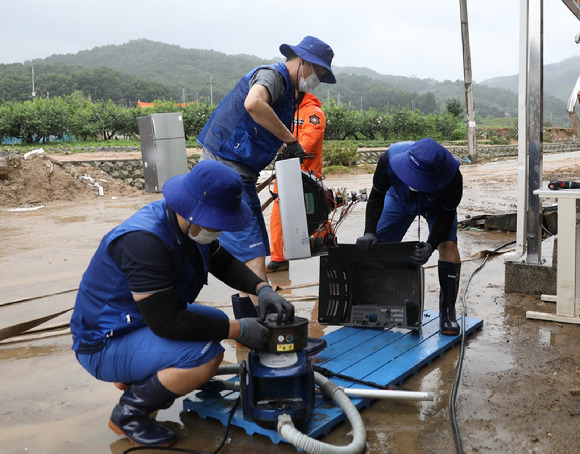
<point x="128" y="171"/>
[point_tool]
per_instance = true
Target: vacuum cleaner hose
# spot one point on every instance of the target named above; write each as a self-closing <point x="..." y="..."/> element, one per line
<point x="287" y="430"/>
<point x="310" y="445"/>
<point x="228" y="369"/>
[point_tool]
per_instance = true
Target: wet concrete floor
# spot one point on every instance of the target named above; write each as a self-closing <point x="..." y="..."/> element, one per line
<point x="519" y="383"/>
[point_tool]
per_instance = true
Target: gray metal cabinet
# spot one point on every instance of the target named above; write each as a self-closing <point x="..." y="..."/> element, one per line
<point x="162" y="148"/>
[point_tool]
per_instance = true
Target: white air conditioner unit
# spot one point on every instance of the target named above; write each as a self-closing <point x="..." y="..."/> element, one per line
<point x="292" y="209"/>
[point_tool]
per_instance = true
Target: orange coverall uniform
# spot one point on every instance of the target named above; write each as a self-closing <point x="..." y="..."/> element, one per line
<point x="309" y="126"/>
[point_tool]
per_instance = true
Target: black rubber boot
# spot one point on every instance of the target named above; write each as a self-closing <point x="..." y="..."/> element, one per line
<point x="449" y="283"/>
<point x="131" y="415"/>
<point x="274" y="267"/>
<point x="243" y="307"/>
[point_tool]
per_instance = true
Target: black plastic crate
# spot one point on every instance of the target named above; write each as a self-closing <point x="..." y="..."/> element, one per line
<point x="377" y="289"/>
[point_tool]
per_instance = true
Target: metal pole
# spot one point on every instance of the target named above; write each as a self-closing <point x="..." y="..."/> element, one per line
<point x="522" y="205"/>
<point x="468" y="81"/>
<point x="33" y="90"/>
<point x="536" y="119"/>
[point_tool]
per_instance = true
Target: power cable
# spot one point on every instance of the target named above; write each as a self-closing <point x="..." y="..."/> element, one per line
<point x="458" y="370"/>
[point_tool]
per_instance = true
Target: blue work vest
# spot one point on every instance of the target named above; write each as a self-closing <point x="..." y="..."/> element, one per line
<point x="105" y="306"/>
<point x="232" y="134"/>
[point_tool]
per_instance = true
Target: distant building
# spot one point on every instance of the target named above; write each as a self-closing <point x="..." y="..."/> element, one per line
<point x="144" y="105"/>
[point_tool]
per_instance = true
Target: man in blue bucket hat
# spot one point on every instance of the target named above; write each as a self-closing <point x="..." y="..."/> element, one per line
<point x="251" y="125"/>
<point x="135" y="322"/>
<point x="413" y="179"/>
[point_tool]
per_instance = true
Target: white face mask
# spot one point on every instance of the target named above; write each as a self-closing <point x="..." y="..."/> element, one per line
<point x="310" y="83"/>
<point x="204" y="236"/>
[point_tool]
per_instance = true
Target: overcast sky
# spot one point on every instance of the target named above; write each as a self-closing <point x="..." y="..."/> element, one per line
<point x="420" y="38"/>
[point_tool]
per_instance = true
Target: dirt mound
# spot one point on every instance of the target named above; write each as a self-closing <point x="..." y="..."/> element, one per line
<point x="559" y="134"/>
<point x="38" y="180"/>
<point x="568" y="173"/>
<point x="553" y="134"/>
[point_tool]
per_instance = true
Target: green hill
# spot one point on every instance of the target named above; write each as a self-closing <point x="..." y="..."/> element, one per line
<point x="196" y="74"/>
<point x="559" y="79"/>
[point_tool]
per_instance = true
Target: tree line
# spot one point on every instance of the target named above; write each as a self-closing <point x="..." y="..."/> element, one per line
<point x="17" y="82"/>
<point x="49" y="119"/>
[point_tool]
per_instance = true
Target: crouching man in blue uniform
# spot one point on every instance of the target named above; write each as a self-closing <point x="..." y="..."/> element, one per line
<point x="135" y="322"/>
<point x="419" y="179"/>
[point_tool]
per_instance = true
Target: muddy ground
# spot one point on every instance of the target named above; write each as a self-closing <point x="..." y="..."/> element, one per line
<point x="520" y="383"/>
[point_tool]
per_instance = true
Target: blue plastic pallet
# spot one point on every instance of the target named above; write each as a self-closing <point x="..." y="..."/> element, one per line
<point x="374" y="355"/>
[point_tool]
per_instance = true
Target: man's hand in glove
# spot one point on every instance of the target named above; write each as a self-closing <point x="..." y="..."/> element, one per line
<point x="367" y="242"/>
<point x="269" y="299"/>
<point x="294" y="150"/>
<point x="421" y="253"/>
<point x="252" y="333"/>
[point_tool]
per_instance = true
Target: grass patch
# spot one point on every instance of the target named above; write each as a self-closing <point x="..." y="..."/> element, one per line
<point x="360" y="169"/>
<point x="337" y="170"/>
<point x="74" y="147"/>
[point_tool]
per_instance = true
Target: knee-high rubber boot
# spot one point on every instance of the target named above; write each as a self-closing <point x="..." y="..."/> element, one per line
<point x="449" y="283"/>
<point x="243" y="307"/>
<point x="131" y="415"/>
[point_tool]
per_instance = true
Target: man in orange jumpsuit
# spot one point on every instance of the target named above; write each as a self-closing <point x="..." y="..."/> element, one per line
<point x="309" y="126"/>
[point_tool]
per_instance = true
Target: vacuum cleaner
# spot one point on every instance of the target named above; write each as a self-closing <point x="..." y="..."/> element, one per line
<point x="278" y="387"/>
<point x="279" y="379"/>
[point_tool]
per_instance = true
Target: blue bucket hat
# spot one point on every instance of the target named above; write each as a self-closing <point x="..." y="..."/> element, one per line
<point x="313" y="51"/>
<point x="425" y="166"/>
<point x="210" y="195"/>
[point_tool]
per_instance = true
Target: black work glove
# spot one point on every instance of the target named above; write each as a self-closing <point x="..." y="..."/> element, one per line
<point x="366" y="242"/>
<point x="269" y="299"/>
<point x="252" y="333"/>
<point x="421" y="253"/>
<point x="295" y="150"/>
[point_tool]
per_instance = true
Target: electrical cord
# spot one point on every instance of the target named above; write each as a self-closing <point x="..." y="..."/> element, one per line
<point x="458" y="370"/>
<point x="191" y="451"/>
<point x="329" y="374"/>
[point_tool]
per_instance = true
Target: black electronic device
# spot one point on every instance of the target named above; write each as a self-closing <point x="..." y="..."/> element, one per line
<point x="381" y="288"/>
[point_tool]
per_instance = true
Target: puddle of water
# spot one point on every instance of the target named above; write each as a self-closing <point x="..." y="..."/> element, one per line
<point x="545" y="337"/>
<point x="549" y="338"/>
<point x="490" y="358"/>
